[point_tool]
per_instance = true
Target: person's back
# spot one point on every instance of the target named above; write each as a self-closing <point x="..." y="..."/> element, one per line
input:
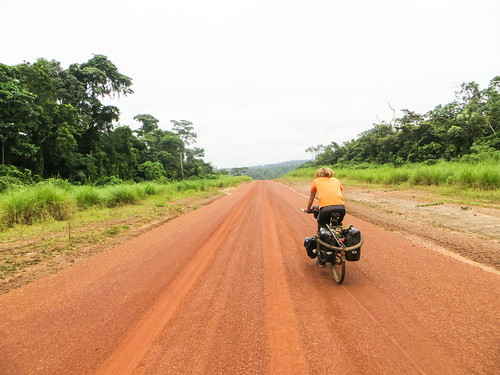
<point x="329" y="191"/>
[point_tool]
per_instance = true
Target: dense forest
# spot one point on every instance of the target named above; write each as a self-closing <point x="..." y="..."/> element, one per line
<point x="53" y="123"/>
<point x="468" y="126"/>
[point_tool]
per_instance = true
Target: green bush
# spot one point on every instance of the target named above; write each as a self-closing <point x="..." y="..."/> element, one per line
<point x="120" y="194"/>
<point x="490" y="178"/>
<point x="397" y="176"/>
<point x="108" y="180"/>
<point x="11" y="171"/>
<point x="88" y="196"/>
<point x="186" y="185"/>
<point x="41" y="202"/>
<point x="152" y="170"/>
<point x="151" y="188"/>
<point x="8" y="183"/>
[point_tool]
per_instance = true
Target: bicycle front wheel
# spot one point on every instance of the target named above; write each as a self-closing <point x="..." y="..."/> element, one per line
<point x="338" y="268"/>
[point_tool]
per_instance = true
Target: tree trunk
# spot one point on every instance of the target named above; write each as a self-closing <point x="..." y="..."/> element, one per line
<point x="182" y="168"/>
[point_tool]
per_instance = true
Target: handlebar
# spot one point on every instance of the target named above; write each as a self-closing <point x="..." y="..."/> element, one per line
<point x="314" y="210"/>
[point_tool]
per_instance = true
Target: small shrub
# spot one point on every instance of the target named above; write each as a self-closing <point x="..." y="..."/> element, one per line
<point x="466" y="177"/>
<point x="489" y="178"/>
<point x="186" y="185"/>
<point x="152" y="170"/>
<point x="23" y="175"/>
<point x="53" y="202"/>
<point x="39" y="202"/>
<point x="88" y="196"/>
<point x="57" y="182"/>
<point x="9" y="183"/>
<point x="108" y="180"/>
<point x="397" y="176"/>
<point x="120" y="194"/>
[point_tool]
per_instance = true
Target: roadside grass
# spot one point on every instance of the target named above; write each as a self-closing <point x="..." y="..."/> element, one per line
<point x="30" y="204"/>
<point x="55" y="200"/>
<point x="93" y="216"/>
<point x="472" y="181"/>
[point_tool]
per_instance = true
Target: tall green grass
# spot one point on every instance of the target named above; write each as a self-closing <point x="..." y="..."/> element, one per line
<point x="122" y="194"/>
<point x="88" y="196"/>
<point x="57" y="200"/>
<point x="482" y="175"/>
<point x="40" y="202"/>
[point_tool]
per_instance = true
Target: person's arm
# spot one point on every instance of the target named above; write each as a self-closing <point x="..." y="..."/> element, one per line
<point x="311" y="200"/>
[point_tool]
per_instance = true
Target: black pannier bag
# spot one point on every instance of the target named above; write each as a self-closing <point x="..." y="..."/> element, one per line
<point x="310" y="245"/>
<point x="351" y="238"/>
<point x="327" y="236"/>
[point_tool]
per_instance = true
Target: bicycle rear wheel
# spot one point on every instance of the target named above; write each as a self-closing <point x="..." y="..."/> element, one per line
<point x="338" y="268"/>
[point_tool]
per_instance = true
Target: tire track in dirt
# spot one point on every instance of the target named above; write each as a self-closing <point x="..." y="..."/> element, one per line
<point x="389" y="336"/>
<point x="207" y="313"/>
<point x="219" y="322"/>
<point x="135" y="345"/>
<point x="284" y="338"/>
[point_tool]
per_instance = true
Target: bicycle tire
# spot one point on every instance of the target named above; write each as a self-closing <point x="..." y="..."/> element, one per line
<point x="338" y="268"/>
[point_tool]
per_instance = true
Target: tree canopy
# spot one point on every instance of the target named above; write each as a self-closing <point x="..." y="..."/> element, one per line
<point x="54" y="123"/>
<point x="468" y="125"/>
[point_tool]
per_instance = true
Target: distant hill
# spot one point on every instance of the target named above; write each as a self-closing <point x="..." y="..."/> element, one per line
<point x="271" y="171"/>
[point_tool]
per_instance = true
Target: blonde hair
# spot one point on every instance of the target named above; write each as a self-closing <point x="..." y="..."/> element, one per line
<point x="324" y="172"/>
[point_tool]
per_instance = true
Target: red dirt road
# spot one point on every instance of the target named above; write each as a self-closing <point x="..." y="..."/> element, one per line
<point x="228" y="289"/>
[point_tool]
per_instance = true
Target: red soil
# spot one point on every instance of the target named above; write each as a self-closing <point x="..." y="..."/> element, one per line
<point x="228" y="289"/>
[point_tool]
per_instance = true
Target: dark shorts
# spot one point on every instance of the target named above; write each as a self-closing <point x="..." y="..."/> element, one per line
<point x="325" y="214"/>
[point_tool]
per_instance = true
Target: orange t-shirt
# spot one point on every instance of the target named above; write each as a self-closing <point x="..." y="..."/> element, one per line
<point x="329" y="191"/>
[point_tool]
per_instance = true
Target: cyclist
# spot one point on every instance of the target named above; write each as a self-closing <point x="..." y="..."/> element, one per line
<point x="329" y="190"/>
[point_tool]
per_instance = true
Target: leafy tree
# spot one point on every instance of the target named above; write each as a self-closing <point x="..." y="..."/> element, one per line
<point x="164" y="147"/>
<point x="492" y="105"/>
<point x="469" y="124"/>
<point x="149" y="123"/>
<point x="57" y="122"/>
<point x="331" y="154"/>
<point x="18" y="119"/>
<point x="194" y="165"/>
<point x="88" y="83"/>
<point x="120" y="156"/>
<point x="152" y="170"/>
<point x="315" y="150"/>
<point x="184" y="129"/>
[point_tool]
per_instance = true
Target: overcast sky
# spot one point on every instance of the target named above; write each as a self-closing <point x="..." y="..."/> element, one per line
<point x="262" y="80"/>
